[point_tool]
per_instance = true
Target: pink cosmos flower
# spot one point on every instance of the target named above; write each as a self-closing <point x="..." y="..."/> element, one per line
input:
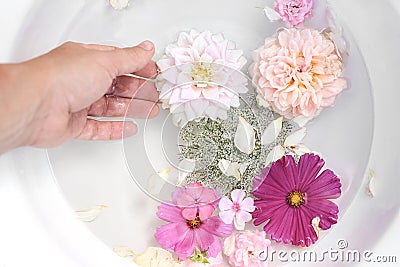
<point x="182" y="235"/>
<point x="200" y="77"/>
<point x="298" y="73"/>
<point x="196" y="200"/>
<point x="236" y="210"/>
<point x="291" y="196"/>
<point x="294" y="12"/>
<point x="243" y="249"/>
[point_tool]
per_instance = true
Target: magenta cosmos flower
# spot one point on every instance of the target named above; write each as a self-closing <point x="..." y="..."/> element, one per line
<point x="182" y="235"/>
<point x="294" y="12"/>
<point x="291" y="196"/>
<point x="195" y="200"/>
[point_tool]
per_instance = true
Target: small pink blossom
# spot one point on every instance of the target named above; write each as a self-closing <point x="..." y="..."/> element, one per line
<point x="294" y="12"/>
<point x="195" y="200"/>
<point x="298" y="73"/>
<point x="243" y="249"/>
<point x="236" y="210"/>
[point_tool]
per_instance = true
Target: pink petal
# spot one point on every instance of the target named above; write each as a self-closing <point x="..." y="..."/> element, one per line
<point x="188" y="93"/>
<point x="169" y="213"/>
<point x="208" y="196"/>
<point x="216" y="226"/>
<point x="184" y="199"/>
<point x="205" y="211"/>
<point x="204" y="239"/>
<point x="214" y="249"/>
<point x="247" y="204"/>
<point x="189" y="213"/>
<point x="185" y="248"/>
<point x="211" y="93"/>
<point x="227" y="216"/>
<point x="326" y="185"/>
<point x="237" y="195"/>
<point x="308" y="168"/>
<point x="326" y="210"/>
<point x="266" y="209"/>
<point x="170" y="234"/>
<point x="243" y="217"/>
<point x="225" y="203"/>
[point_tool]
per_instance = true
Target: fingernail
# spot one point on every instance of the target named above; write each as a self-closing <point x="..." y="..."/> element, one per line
<point x="146" y="45"/>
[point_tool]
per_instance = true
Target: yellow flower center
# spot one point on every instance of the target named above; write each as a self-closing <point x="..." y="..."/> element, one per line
<point x="194" y="223"/>
<point x="295" y="199"/>
<point x="202" y="74"/>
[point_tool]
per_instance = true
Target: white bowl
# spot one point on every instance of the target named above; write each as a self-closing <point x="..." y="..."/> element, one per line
<point x="358" y="134"/>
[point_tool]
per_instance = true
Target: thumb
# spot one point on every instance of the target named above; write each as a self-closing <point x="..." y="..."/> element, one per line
<point x="130" y="59"/>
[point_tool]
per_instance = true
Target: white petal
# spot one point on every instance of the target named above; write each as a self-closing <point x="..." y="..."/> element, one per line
<point x="371" y="183"/>
<point x="89" y="214"/>
<point x="272" y="131"/>
<point x="245" y="138"/>
<point x="271" y="14"/>
<point x="238" y="226"/>
<point x="156" y="181"/>
<point x="124" y="252"/>
<point x="301" y="149"/>
<point x="154" y="256"/>
<point x="315" y="225"/>
<point x="186" y="166"/>
<point x="261" y="102"/>
<point x="231" y="168"/>
<point x="295" y="138"/>
<point x="119" y="4"/>
<point x="275" y="154"/>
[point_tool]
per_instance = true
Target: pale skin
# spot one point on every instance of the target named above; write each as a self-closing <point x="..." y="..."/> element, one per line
<point x="46" y="101"/>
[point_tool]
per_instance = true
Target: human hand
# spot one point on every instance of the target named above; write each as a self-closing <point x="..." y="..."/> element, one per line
<point x="61" y="88"/>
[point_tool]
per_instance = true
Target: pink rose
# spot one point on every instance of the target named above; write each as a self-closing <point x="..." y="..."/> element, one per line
<point x="243" y="249"/>
<point x="298" y="73"/>
<point x="293" y="12"/>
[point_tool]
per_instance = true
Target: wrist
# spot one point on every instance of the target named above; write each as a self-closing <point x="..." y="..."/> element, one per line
<point x="20" y="99"/>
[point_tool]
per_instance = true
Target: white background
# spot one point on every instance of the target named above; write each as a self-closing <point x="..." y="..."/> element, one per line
<point x="12" y="15"/>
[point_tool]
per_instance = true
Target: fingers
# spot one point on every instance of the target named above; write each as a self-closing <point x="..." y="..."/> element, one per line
<point x="128" y="60"/>
<point x="106" y="130"/>
<point x="112" y="106"/>
<point x="149" y="71"/>
<point x="135" y="88"/>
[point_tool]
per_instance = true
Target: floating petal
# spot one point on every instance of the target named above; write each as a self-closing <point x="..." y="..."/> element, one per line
<point x="89" y="214"/>
<point x="275" y="154"/>
<point x="295" y="138"/>
<point x="272" y="131"/>
<point x="245" y="137"/>
<point x="271" y="14"/>
<point x="119" y="4"/>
